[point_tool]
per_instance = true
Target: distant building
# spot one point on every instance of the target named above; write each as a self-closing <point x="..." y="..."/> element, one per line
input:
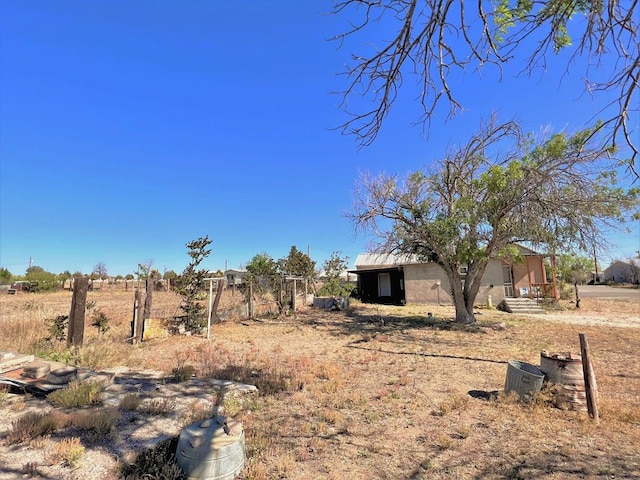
<point x="234" y="277"/>
<point x="623" y="271"/>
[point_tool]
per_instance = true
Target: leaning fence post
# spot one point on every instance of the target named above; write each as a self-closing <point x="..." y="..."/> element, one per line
<point x="76" y="316"/>
<point x="590" y="385"/>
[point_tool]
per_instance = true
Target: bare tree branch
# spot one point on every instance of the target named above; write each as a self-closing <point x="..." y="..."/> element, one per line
<point x="436" y="37"/>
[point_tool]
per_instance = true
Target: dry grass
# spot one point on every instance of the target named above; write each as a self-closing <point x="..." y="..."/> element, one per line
<point x="32" y="425"/>
<point x="68" y="451"/>
<point x="380" y="392"/>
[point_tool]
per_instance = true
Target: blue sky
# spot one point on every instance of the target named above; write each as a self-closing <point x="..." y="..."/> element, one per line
<point x="128" y="128"/>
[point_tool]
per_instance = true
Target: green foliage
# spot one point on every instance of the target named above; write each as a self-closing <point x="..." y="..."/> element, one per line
<point x="169" y="274"/>
<point x="77" y="394"/>
<point x="572" y="268"/>
<point x="5" y="276"/>
<point x="269" y="276"/>
<point x="333" y="285"/>
<point x="297" y="264"/>
<point x="41" y="280"/>
<point x="262" y="265"/>
<point x="100" y="321"/>
<point x="558" y="193"/>
<point x="58" y="327"/>
<point x="47" y="350"/>
<point x="262" y="273"/>
<point x="191" y="283"/>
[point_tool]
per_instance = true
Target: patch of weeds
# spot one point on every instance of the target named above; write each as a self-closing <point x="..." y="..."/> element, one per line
<point x="39" y="443"/>
<point x="34" y="424"/>
<point x="58" y="327"/>
<point x="232" y="405"/>
<point x="100" y="321"/>
<point x="453" y="403"/>
<point x="255" y="470"/>
<point x="285" y="465"/>
<point x="157" y="462"/>
<point x="97" y="423"/>
<point x="183" y="373"/>
<point x="4" y="395"/>
<point x="130" y="402"/>
<point x="462" y="432"/>
<point x="77" y="394"/>
<point x="68" y="451"/>
<point x="31" y="470"/>
<point x="426" y="464"/>
<point x="31" y="305"/>
<point x="197" y="412"/>
<point x="47" y="349"/>
<point x="444" y="442"/>
<point x="160" y="406"/>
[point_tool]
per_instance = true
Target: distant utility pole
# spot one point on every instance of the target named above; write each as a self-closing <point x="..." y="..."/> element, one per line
<point x="30" y="262"/>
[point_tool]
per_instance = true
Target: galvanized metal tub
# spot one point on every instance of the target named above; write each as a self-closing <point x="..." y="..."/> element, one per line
<point x="206" y="452"/>
<point x="565" y="371"/>
<point x="524" y="379"/>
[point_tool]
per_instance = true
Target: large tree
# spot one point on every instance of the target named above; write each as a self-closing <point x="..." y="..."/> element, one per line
<point x="433" y="39"/>
<point x="500" y="188"/>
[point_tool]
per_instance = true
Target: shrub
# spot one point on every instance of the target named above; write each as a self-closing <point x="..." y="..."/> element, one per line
<point x="183" y="373"/>
<point x="130" y="402"/>
<point x="77" y="394"/>
<point x="35" y="424"/>
<point x="100" y="321"/>
<point x="67" y="450"/>
<point x="160" y="406"/>
<point x="58" y="327"/>
<point x="99" y="423"/>
<point x="158" y="462"/>
<point x="197" y="412"/>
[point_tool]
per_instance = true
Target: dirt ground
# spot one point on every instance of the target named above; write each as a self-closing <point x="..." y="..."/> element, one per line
<point x="370" y="393"/>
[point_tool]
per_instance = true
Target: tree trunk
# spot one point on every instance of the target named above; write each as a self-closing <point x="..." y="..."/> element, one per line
<point x="464" y="294"/>
<point x="463" y="315"/>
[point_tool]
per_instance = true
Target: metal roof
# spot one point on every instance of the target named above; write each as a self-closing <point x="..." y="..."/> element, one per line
<point x="382" y="260"/>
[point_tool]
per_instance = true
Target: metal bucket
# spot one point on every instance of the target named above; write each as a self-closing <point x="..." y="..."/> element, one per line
<point x="524" y="379"/>
<point x="565" y="371"/>
<point x="206" y="452"/>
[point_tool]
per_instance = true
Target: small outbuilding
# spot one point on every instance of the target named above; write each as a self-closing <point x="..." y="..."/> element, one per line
<point x="400" y="279"/>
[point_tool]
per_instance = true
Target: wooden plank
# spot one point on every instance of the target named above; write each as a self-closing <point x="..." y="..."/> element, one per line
<point x="590" y="385"/>
<point x="10" y="361"/>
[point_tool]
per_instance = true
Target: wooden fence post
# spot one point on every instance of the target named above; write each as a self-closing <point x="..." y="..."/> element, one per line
<point x="251" y="300"/>
<point x="216" y="302"/>
<point x="134" y="319"/>
<point x="590" y="385"/>
<point x="75" y="334"/>
<point x="147" y="300"/>
<point x="294" y="293"/>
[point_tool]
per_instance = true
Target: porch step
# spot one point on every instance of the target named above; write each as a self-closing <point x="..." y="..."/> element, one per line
<point x="521" y="305"/>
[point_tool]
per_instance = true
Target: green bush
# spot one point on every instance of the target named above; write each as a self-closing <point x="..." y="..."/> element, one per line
<point x="77" y="395"/>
